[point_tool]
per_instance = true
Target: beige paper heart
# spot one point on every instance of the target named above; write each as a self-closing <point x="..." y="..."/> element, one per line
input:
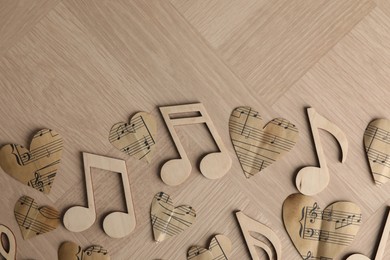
<point x="219" y="249"/>
<point x="377" y="145"/>
<point x="38" y="166"/>
<point x="34" y="220"/>
<point x="317" y="233"/>
<point x="168" y="220"/>
<point x="136" y="138"/>
<point x="258" y="146"/>
<point x="71" y="251"/>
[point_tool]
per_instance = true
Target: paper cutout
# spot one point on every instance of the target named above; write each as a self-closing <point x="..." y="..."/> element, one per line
<point x="71" y="251"/>
<point x="213" y="165"/>
<point x="34" y="220"/>
<point x="249" y="225"/>
<point x="116" y="224"/>
<point x="258" y="146"/>
<point x="219" y="249"/>
<point x="10" y="252"/>
<point x="136" y="138"/>
<point x="377" y="146"/>
<point x="317" y="233"/>
<point x="168" y="220"/>
<point x="382" y="244"/>
<point x="36" y="167"/>
<point x="312" y="179"/>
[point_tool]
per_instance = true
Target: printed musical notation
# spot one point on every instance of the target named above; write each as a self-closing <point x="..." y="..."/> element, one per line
<point x="10" y="252"/>
<point x="249" y="226"/>
<point x="219" y="249"/>
<point x="377" y="146"/>
<point x="320" y="234"/>
<point x="71" y="251"/>
<point x="115" y="224"/>
<point x="136" y="138"/>
<point x="168" y="220"/>
<point x="34" y="220"/>
<point x="38" y="166"/>
<point x="311" y="180"/>
<point x="212" y="166"/>
<point x="257" y="147"/>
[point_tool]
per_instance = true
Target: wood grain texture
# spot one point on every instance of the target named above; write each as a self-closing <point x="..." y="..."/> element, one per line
<point x="84" y="65"/>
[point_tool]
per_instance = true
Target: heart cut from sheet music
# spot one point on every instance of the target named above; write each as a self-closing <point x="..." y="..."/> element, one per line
<point x="317" y="233"/>
<point x="71" y="251"/>
<point x="136" y="138"/>
<point x="258" y="146"/>
<point x="34" y="220"/>
<point x="168" y="220"/>
<point x="38" y="166"/>
<point x="219" y="249"/>
<point x="377" y="146"/>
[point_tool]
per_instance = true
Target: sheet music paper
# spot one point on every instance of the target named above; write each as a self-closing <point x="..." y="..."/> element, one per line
<point x="71" y="251"/>
<point x="219" y="249"/>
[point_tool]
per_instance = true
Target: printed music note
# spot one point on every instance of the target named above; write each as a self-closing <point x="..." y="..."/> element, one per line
<point x="213" y="165"/>
<point x="382" y="244"/>
<point x="116" y="224"/>
<point x="10" y="252"/>
<point x="311" y="179"/>
<point x="249" y="225"/>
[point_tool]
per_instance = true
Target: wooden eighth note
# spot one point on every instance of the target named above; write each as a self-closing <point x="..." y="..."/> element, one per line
<point x="11" y="254"/>
<point x="382" y="244"/>
<point x="249" y="225"/>
<point x="311" y="180"/>
<point x="213" y="165"/>
<point x="116" y="224"/>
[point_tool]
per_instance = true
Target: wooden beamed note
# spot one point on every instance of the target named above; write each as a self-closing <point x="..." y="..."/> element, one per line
<point x="116" y="224"/>
<point x="311" y="180"/>
<point x="9" y="254"/>
<point x="382" y="244"/>
<point x="212" y="166"/>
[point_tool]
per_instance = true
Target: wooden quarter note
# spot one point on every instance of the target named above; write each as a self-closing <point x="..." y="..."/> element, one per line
<point x="312" y="179"/>
<point x="116" y="224"/>
<point x="213" y="165"/>
<point x="9" y="254"/>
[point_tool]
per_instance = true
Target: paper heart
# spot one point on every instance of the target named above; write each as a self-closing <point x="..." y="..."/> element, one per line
<point x="34" y="220"/>
<point x="168" y="220"/>
<point x="377" y="145"/>
<point x="71" y="251"/>
<point x="36" y="167"/>
<point x="257" y="147"/>
<point x="320" y="234"/>
<point x="136" y="138"/>
<point x="219" y="249"/>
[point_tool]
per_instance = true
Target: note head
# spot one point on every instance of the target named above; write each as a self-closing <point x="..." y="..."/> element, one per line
<point x="312" y="180"/>
<point x="118" y="224"/>
<point x="175" y="171"/>
<point x="358" y="257"/>
<point x="77" y="219"/>
<point x="215" y="165"/>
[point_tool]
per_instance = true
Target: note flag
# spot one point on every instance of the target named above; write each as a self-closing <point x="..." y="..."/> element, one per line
<point x="213" y="165"/>
<point x="382" y="244"/>
<point x="312" y="180"/>
<point x="11" y="254"/>
<point x="249" y="225"/>
<point x="116" y="224"/>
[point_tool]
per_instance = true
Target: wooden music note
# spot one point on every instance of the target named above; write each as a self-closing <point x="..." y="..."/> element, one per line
<point x="116" y="224"/>
<point x="311" y="179"/>
<point x="9" y="254"/>
<point x="213" y="165"/>
<point x="382" y="244"/>
<point x="249" y="225"/>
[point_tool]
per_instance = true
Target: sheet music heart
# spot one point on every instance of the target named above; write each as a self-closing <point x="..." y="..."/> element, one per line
<point x="168" y="220"/>
<point x="136" y="138"/>
<point x="36" y="167"/>
<point x="71" y="251"/>
<point x="377" y="146"/>
<point x="317" y="233"/>
<point x="257" y="147"/>
<point x="34" y="220"/>
<point x="219" y="249"/>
